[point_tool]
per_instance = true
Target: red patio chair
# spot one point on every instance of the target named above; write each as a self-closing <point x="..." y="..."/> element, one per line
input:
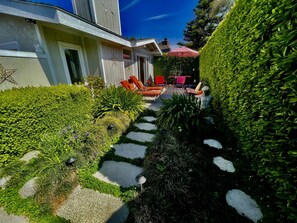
<point x="160" y="80"/>
<point x="180" y="81"/>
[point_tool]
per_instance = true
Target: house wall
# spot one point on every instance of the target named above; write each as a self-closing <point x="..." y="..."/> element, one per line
<point x="129" y="68"/>
<point x="16" y="29"/>
<point x="107" y="14"/>
<point x="30" y="70"/>
<point x="142" y="52"/>
<point x="93" y="59"/>
<point x="113" y="63"/>
<point x="82" y="8"/>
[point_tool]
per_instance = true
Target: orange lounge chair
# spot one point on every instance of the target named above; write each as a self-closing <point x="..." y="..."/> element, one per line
<point x="128" y="86"/>
<point x="141" y="87"/>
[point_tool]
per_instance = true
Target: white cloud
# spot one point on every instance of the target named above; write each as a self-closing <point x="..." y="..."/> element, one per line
<point x="134" y="2"/>
<point x="158" y="17"/>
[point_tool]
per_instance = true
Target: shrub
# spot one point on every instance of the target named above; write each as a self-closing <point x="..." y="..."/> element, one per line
<point x="28" y="113"/>
<point x="250" y="62"/>
<point x="182" y="114"/>
<point x="118" y="99"/>
<point x="95" y="84"/>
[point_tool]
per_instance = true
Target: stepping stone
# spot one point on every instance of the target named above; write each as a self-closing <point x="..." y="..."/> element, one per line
<point x="30" y="155"/>
<point x="29" y="188"/>
<point x="210" y="119"/>
<point x="119" y="173"/>
<point x="213" y="143"/>
<point x="140" y="136"/>
<point x="130" y="150"/>
<point x="149" y="118"/>
<point x="224" y="164"/>
<point x="86" y="205"/>
<point x="244" y="204"/>
<point x="146" y="126"/>
<point x="5" y="217"/>
<point x="3" y="181"/>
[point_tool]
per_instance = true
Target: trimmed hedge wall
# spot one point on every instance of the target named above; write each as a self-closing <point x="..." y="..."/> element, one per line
<point x="28" y="113"/>
<point x="250" y="64"/>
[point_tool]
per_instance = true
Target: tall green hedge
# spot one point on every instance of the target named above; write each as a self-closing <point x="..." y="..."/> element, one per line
<point x="250" y="63"/>
<point x="28" y="113"/>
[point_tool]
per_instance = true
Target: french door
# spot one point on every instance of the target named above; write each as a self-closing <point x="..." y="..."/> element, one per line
<point x="73" y="62"/>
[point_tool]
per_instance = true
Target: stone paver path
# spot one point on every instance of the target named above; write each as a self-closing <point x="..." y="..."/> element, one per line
<point x="89" y="206"/>
<point x="3" y="181"/>
<point x="224" y="164"/>
<point x="10" y="218"/>
<point x="30" y="155"/>
<point x="146" y="126"/>
<point x="140" y="136"/>
<point x="29" y="188"/>
<point x="213" y="143"/>
<point x="121" y="173"/>
<point x="244" y="204"/>
<point x="130" y="150"/>
<point x="149" y="118"/>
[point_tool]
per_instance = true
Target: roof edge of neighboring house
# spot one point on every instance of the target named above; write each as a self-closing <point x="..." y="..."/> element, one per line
<point x="143" y="42"/>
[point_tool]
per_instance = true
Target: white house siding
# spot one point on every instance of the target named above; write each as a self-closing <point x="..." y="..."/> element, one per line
<point x="30" y="70"/>
<point x="52" y="36"/>
<point x="129" y="68"/>
<point x="112" y="63"/>
<point x="16" y="29"/>
<point x="107" y="14"/>
<point x="83" y="9"/>
<point x="93" y="57"/>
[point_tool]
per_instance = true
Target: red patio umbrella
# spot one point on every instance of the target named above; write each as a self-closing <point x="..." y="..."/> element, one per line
<point x="183" y="51"/>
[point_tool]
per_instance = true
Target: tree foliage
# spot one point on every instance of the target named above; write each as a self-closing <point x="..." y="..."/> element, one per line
<point x="199" y="29"/>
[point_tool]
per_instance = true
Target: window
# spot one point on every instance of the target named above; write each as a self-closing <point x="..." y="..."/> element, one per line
<point x="127" y="54"/>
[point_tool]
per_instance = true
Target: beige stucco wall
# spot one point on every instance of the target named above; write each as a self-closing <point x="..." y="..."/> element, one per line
<point x="28" y="72"/>
<point x="17" y="29"/>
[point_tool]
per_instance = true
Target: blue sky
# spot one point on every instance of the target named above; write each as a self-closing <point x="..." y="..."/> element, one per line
<point x="157" y="19"/>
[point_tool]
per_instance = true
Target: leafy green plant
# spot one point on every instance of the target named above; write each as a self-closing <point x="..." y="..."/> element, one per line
<point x="28" y="113"/>
<point x="252" y="74"/>
<point x="95" y="84"/>
<point x="118" y="99"/>
<point x="183" y="115"/>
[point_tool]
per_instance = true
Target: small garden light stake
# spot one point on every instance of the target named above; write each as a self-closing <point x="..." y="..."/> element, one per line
<point x="110" y="127"/>
<point x="140" y="180"/>
<point x="70" y="161"/>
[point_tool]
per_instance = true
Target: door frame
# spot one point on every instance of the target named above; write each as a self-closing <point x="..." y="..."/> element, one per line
<point x="78" y="48"/>
<point x="146" y="67"/>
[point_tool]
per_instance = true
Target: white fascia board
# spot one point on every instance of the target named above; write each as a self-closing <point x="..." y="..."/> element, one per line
<point x="140" y="43"/>
<point x="70" y="21"/>
<point x="54" y="15"/>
